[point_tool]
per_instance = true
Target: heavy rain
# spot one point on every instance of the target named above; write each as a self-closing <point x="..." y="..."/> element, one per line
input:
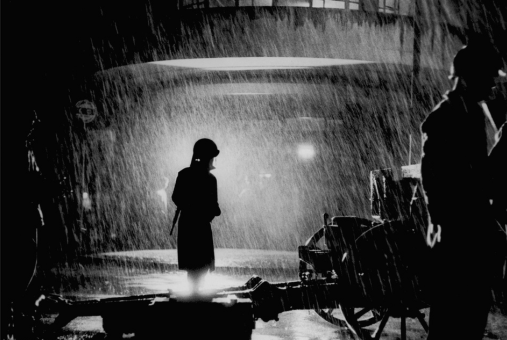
<point x="149" y="119"/>
<point x="313" y="104"/>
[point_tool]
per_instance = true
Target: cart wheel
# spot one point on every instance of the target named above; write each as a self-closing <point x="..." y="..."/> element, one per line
<point x="357" y="320"/>
<point x="357" y="325"/>
<point x="347" y="316"/>
<point x="333" y="316"/>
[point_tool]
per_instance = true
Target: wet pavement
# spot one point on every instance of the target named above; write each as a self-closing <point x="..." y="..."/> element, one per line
<point x="155" y="271"/>
<point x="226" y="260"/>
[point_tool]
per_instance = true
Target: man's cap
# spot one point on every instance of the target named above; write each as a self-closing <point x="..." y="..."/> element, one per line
<point x="478" y="58"/>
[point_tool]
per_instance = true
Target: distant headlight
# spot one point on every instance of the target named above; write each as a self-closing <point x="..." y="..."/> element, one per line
<point x="306" y="151"/>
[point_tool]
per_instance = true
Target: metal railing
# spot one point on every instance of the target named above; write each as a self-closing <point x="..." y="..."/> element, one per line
<point x="384" y="6"/>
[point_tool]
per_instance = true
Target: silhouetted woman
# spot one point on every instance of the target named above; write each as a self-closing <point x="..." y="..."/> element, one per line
<point x="195" y="195"/>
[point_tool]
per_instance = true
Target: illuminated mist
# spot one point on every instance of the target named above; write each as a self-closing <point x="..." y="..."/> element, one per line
<point x="294" y="142"/>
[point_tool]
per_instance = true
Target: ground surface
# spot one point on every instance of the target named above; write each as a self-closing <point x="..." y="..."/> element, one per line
<point x="155" y="271"/>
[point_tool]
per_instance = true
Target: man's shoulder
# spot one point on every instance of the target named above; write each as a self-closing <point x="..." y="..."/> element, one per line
<point x="185" y="171"/>
<point x="441" y="116"/>
<point x="500" y="148"/>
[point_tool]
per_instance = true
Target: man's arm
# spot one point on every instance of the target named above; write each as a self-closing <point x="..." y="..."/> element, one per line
<point x="437" y="181"/>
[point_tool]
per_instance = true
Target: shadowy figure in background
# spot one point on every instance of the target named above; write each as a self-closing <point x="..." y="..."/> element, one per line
<point x="497" y="166"/>
<point x="498" y="195"/>
<point x="195" y="195"/>
<point x="462" y="231"/>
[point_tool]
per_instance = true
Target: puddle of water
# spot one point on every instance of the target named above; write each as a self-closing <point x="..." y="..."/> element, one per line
<point x="177" y="282"/>
<point x="99" y="281"/>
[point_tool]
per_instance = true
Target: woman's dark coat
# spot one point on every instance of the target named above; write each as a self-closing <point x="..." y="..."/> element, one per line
<point x="195" y="193"/>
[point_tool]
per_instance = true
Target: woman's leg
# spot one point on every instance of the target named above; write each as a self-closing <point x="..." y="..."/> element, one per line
<point x="195" y="279"/>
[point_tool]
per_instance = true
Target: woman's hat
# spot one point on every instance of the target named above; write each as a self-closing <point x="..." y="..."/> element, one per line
<point x="205" y="148"/>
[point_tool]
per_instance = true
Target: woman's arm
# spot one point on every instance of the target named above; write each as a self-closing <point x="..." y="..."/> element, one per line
<point x="215" y="211"/>
<point x="178" y="196"/>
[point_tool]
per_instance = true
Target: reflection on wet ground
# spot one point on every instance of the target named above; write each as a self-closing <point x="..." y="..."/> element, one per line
<point x="156" y="271"/>
<point x="177" y="282"/>
<point x="101" y="279"/>
<point x="100" y="282"/>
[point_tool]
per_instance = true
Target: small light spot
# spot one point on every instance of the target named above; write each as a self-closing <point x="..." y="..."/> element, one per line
<point x="306" y="151"/>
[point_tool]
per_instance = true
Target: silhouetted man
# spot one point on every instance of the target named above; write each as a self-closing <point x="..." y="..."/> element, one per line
<point x="498" y="175"/>
<point x="462" y="229"/>
<point x="498" y="195"/>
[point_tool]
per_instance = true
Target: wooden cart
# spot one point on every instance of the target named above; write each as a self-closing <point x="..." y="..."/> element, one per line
<point x="379" y="263"/>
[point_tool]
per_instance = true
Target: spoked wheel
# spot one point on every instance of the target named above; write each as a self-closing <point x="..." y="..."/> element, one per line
<point x="357" y="320"/>
<point x="358" y="325"/>
<point x="347" y="316"/>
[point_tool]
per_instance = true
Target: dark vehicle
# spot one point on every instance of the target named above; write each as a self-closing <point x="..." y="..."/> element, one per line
<point x="299" y="136"/>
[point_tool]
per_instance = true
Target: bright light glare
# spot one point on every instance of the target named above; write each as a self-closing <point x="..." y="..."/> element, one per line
<point x="177" y="282"/>
<point x="253" y="63"/>
<point x="306" y="151"/>
<point x="211" y="283"/>
<point x="215" y="281"/>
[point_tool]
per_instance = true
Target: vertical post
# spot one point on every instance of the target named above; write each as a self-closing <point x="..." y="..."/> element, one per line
<point x="84" y="194"/>
<point x="416" y="56"/>
<point x="416" y="60"/>
<point x="409" y="149"/>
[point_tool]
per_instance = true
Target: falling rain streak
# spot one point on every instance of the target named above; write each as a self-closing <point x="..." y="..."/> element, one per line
<point x="296" y="141"/>
<point x="303" y="104"/>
